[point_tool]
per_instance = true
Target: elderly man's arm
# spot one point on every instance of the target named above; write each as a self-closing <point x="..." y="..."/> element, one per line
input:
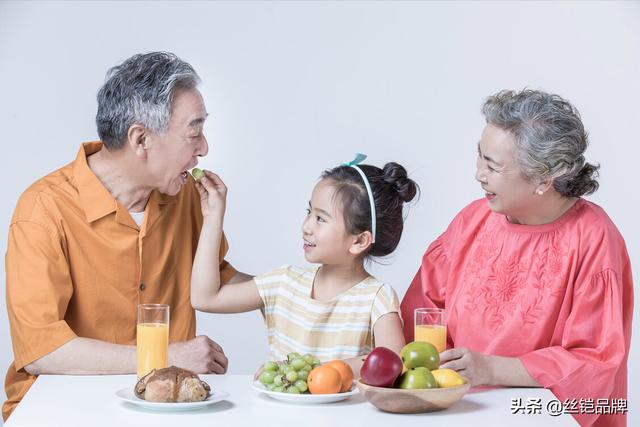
<point x="39" y="290"/>
<point x="88" y="356"/>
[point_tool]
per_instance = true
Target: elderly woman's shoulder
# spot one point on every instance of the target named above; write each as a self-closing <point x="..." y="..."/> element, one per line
<point x="475" y="211"/>
<point x="596" y="221"/>
<point x="479" y="206"/>
<point x="469" y="219"/>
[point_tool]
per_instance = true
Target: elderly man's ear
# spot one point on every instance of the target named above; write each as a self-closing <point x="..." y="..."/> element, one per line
<point x="138" y="139"/>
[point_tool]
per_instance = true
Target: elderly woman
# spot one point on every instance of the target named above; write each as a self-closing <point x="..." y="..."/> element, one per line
<point x="535" y="281"/>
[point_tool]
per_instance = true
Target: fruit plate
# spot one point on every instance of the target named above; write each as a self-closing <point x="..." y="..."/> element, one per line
<point x="127" y="395"/>
<point x="304" y="398"/>
<point x="412" y="401"/>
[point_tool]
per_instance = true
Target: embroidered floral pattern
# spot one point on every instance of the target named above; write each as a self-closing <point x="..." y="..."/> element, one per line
<point x="504" y="285"/>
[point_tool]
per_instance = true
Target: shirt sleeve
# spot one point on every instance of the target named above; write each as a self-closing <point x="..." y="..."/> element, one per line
<point x="385" y="302"/>
<point x="428" y="288"/>
<point x="593" y="346"/>
<point x="39" y="288"/>
<point x="268" y="285"/>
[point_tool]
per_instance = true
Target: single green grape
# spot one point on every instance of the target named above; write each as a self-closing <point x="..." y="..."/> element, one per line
<point x="278" y="380"/>
<point x="287" y="368"/>
<point x="301" y="385"/>
<point x="271" y="386"/>
<point x="292" y="356"/>
<point x="266" y="377"/>
<point x="298" y="363"/>
<point x="270" y="366"/>
<point x="292" y="389"/>
<point x="292" y="376"/>
<point x="197" y="174"/>
<point x="303" y="374"/>
<point x="308" y="358"/>
<point x="316" y="362"/>
<point x="279" y="389"/>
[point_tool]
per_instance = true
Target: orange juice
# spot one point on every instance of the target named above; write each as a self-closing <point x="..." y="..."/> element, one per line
<point x="435" y="334"/>
<point x="152" y="347"/>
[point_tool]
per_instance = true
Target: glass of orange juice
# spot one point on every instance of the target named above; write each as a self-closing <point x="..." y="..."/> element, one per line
<point x="429" y="326"/>
<point x="152" y="350"/>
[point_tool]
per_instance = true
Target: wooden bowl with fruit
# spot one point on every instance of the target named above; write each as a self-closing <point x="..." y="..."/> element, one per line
<point x="422" y="387"/>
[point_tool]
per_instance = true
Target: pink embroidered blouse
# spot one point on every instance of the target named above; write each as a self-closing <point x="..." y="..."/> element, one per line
<point x="559" y="296"/>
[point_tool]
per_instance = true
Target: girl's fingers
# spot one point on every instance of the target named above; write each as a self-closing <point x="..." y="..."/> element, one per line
<point x="204" y="181"/>
<point x="213" y="177"/>
<point x="201" y="190"/>
<point x="212" y="182"/>
<point x="257" y="374"/>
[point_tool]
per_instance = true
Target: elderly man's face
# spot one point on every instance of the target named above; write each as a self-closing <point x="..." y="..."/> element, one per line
<point x="176" y="151"/>
<point x="506" y="188"/>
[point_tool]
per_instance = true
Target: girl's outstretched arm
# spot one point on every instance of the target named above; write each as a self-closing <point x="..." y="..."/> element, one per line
<point x="206" y="292"/>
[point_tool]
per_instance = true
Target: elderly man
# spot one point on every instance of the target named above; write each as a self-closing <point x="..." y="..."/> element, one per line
<point x="116" y="227"/>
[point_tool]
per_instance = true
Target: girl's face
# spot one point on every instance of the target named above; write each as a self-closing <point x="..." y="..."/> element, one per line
<point x="506" y="189"/>
<point x="326" y="239"/>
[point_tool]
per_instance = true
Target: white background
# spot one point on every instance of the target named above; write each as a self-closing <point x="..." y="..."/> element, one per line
<point x="294" y="88"/>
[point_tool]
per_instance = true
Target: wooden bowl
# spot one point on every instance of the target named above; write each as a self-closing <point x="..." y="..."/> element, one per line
<point x="412" y="401"/>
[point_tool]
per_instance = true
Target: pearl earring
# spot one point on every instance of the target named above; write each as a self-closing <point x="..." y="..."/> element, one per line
<point x="540" y="192"/>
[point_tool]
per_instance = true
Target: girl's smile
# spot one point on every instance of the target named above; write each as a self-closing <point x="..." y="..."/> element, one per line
<point x="324" y="233"/>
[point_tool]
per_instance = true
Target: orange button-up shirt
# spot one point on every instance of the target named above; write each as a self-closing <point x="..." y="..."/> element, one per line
<point x="77" y="265"/>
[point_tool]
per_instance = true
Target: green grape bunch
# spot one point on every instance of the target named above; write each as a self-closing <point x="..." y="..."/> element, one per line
<point x="290" y="375"/>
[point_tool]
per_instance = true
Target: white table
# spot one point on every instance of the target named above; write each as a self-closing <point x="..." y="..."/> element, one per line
<point x="56" y="400"/>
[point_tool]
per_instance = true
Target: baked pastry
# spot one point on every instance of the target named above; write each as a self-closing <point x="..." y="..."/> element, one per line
<point x="172" y="384"/>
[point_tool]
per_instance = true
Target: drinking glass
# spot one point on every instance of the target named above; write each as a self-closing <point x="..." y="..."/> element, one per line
<point x="429" y="326"/>
<point x="152" y="348"/>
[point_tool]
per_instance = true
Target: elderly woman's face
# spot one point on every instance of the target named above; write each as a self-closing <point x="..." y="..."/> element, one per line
<point x="506" y="189"/>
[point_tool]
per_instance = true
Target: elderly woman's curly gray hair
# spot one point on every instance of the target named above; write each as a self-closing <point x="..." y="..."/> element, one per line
<point x="550" y="138"/>
<point x="140" y="91"/>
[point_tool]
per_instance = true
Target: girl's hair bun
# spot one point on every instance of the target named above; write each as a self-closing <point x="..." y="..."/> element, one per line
<point x="396" y="175"/>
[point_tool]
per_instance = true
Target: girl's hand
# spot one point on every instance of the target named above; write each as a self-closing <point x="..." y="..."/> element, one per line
<point x="213" y="195"/>
<point x="477" y="368"/>
<point x="256" y="375"/>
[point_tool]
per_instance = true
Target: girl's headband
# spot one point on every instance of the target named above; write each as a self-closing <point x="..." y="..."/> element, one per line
<point x="354" y="164"/>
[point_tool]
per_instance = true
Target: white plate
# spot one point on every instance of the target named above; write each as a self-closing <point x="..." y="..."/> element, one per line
<point x="127" y="395"/>
<point x="305" y="398"/>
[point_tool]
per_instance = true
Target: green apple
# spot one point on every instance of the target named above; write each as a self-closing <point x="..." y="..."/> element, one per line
<point x="417" y="378"/>
<point x="420" y="354"/>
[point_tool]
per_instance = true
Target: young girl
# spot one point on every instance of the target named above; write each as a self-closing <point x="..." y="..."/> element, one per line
<point x="336" y="310"/>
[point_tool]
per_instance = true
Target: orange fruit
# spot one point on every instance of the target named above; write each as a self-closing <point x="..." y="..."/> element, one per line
<point x="324" y="379"/>
<point x="345" y="373"/>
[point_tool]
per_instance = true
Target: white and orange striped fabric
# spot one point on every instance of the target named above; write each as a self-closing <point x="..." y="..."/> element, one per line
<point x="335" y="329"/>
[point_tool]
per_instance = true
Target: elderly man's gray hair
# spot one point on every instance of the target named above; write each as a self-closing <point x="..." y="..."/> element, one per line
<point x="140" y="91"/>
<point x="550" y="139"/>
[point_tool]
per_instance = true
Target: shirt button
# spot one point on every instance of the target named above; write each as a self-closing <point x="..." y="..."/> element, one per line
<point x="142" y="286"/>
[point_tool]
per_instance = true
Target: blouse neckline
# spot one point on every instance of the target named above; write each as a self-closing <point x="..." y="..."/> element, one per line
<point x="542" y="228"/>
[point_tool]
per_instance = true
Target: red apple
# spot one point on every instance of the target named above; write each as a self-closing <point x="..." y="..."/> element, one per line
<point x="381" y="368"/>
